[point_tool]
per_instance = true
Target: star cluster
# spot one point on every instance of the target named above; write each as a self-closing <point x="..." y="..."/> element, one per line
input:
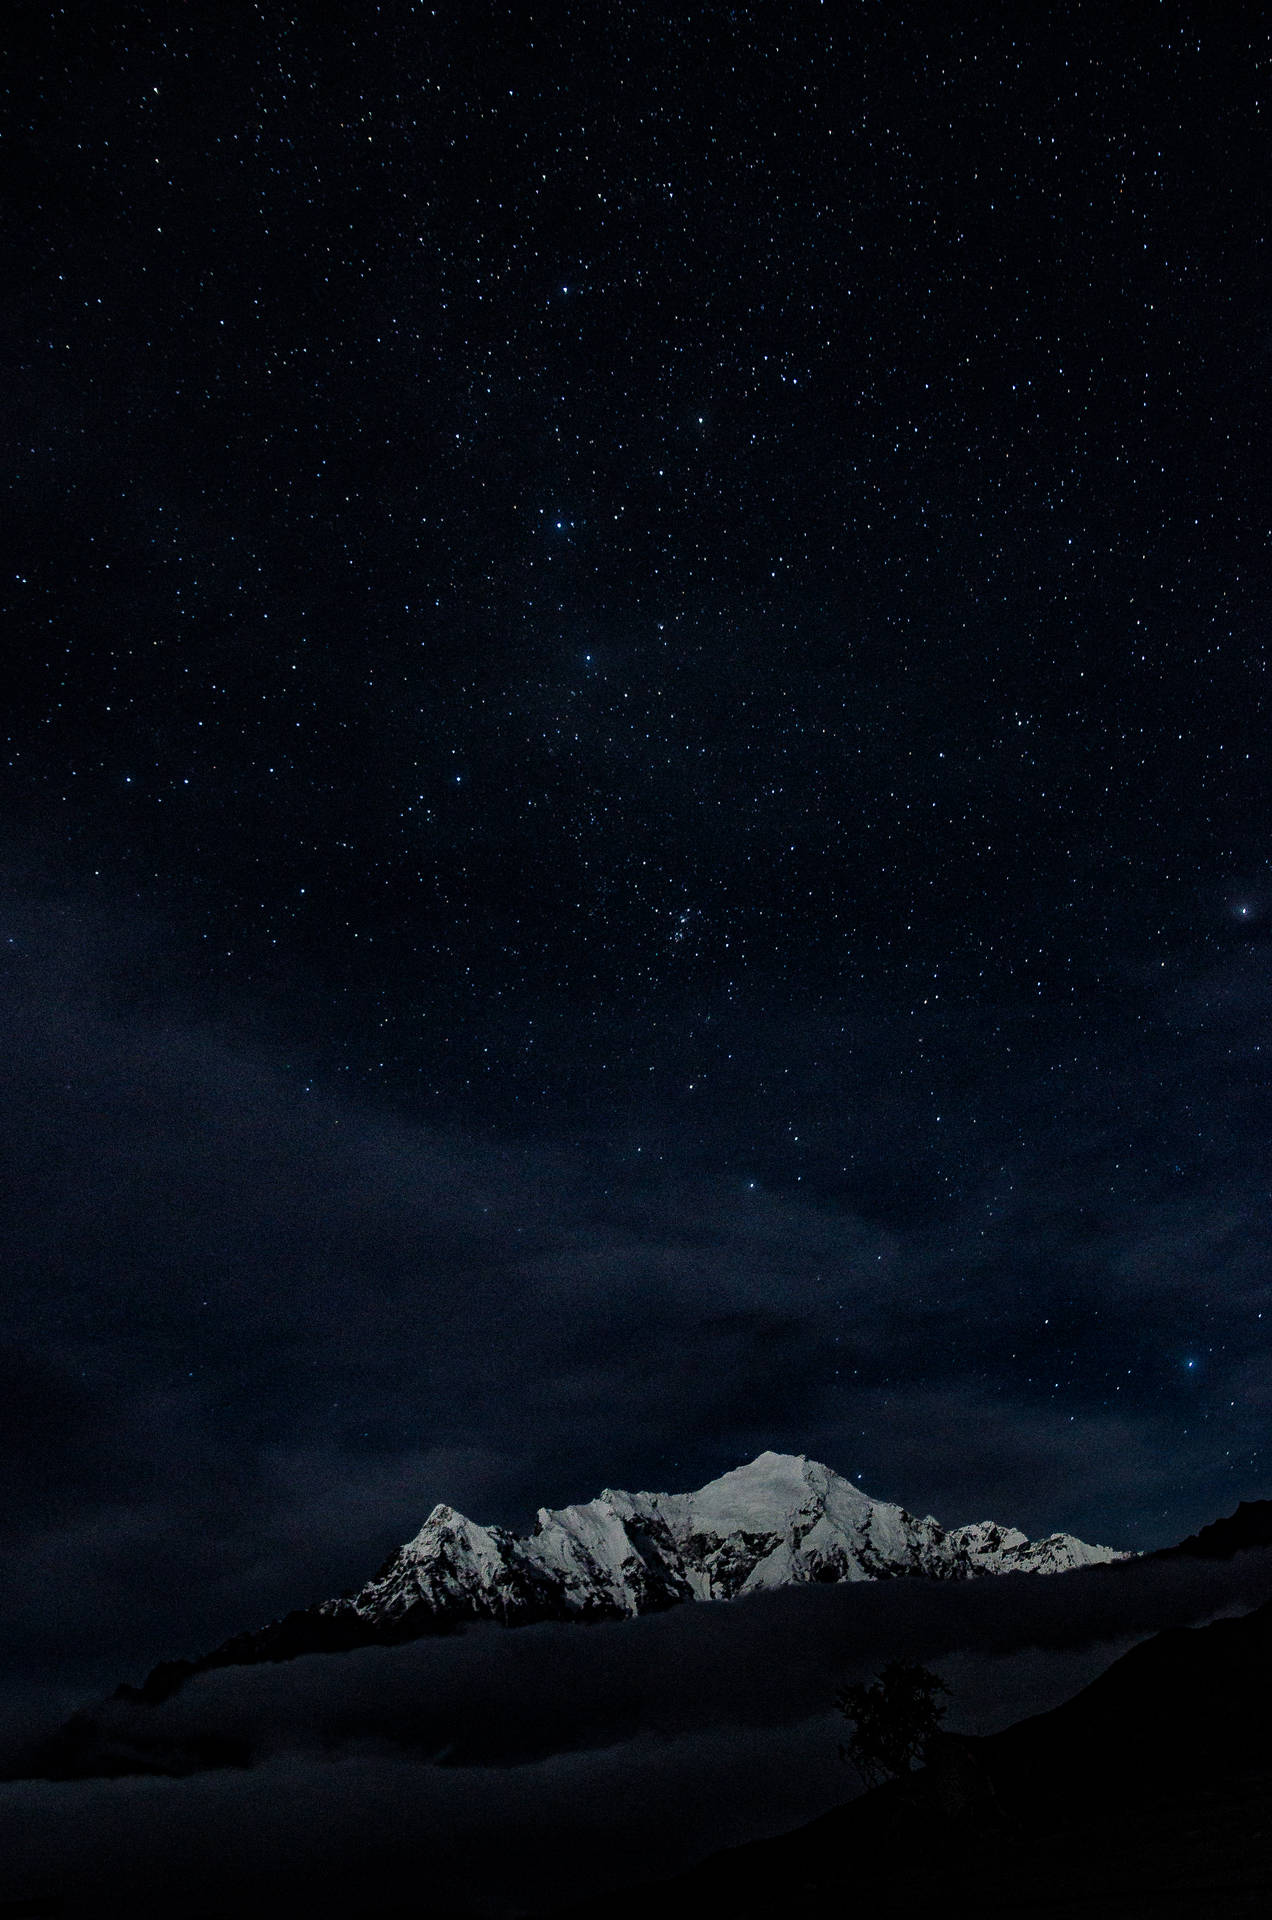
<point x="481" y="496"/>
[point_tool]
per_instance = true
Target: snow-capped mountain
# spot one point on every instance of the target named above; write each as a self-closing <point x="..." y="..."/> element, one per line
<point x="783" y="1520"/>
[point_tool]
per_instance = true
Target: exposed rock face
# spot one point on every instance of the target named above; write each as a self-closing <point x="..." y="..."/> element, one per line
<point x="782" y="1520"/>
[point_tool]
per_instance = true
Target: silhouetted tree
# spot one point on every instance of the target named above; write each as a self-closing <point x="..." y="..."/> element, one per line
<point x="894" y="1718"/>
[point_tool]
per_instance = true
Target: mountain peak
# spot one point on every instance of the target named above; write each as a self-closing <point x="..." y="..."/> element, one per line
<point x="768" y="1468"/>
<point x="778" y="1520"/>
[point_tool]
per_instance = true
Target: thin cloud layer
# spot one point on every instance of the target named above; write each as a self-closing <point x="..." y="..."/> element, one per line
<point x="255" y="1331"/>
<point x="493" y="1758"/>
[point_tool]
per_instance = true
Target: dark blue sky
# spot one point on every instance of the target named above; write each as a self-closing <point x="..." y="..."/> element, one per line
<point x="636" y="813"/>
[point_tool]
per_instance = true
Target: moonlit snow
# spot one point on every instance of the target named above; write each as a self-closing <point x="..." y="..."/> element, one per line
<point x="781" y="1521"/>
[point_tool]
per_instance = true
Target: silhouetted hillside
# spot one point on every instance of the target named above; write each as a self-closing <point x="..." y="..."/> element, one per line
<point x="1149" y="1793"/>
<point x="1249" y="1526"/>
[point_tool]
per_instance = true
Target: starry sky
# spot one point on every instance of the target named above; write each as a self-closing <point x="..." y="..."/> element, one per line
<point x="636" y="804"/>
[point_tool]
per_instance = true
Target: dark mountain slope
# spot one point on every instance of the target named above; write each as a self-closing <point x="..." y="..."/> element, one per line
<point x="1149" y="1793"/>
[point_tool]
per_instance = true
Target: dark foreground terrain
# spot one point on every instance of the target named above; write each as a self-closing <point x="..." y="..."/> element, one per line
<point x="1150" y="1793"/>
<point x="476" y="1779"/>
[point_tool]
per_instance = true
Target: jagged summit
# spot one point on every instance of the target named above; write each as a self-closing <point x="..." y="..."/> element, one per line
<point x="780" y="1520"/>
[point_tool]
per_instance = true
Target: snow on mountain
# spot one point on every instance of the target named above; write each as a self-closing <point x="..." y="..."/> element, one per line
<point x="780" y="1521"/>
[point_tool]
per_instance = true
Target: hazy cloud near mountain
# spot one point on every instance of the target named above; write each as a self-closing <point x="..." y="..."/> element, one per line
<point x="256" y="1329"/>
<point x="497" y="1752"/>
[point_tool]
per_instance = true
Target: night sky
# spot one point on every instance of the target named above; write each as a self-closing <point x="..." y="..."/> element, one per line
<point x="637" y="793"/>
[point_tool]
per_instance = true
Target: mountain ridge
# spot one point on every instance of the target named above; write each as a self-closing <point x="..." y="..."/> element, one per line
<point x="780" y="1519"/>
